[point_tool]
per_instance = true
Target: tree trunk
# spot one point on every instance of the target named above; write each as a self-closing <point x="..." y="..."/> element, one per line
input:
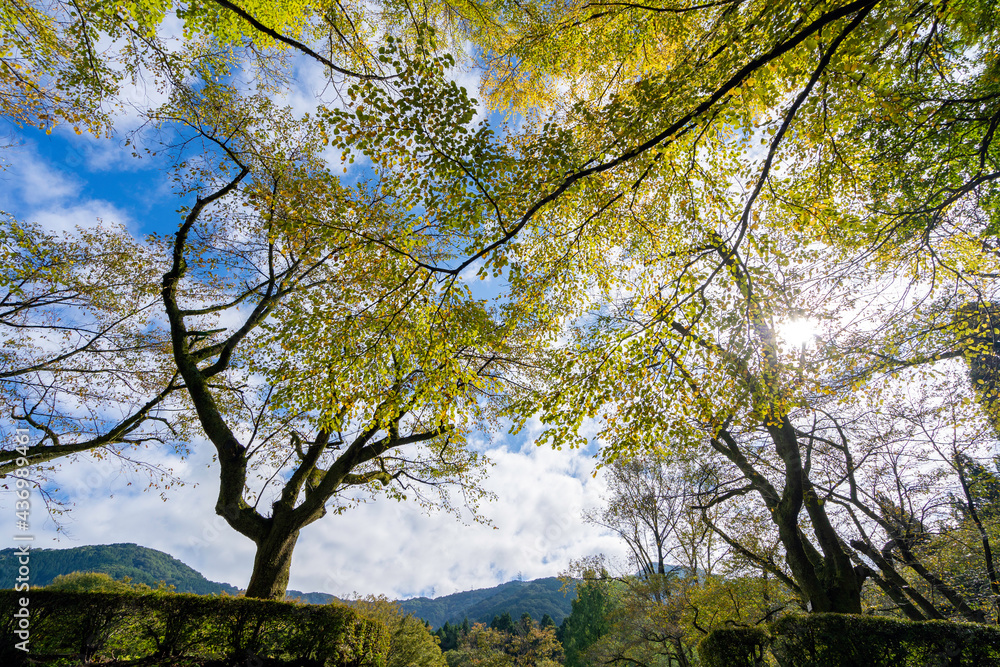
<point x="826" y="575"/>
<point x="272" y="564"/>
<point x="842" y="592"/>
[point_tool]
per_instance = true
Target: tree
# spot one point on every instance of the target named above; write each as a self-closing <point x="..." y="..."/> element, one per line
<point x="92" y="582"/>
<point x="85" y="364"/>
<point x="410" y="365"/>
<point x="411" y="642"/>
<point x="353" y="369"/>
<point x="589" y="619"/>
<point x="650" y="507"/>
<point x="449" y="635"/>
<point x="679" y="295"/>
<point x="51" y="69"/>
<point x="740" y="382"/>
<point x="915" y="570"/>
<point x="645" y="78"/>
<point x="101" y="381"/>
<point x="975" y="480"/>
<point x="67" y="61"/>
<point x="642" y="511"/>
<point x="618" y="217"/>
<point x="661" y="614"/>
<point x="502" y="623"/>
<point x="980" y="488"/>
<point x="646" y="137"/>
<point x="661" y="611"/>
<point x="525" y="622"/>
<point x="630" y="96"/>
<point x="535" y="647"/>
<point x="56" y="45"/>
<point x="480" y="646"/>
<point x="524" y="646"/>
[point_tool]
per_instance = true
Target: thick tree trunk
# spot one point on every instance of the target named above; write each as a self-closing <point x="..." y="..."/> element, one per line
<point x="841" y="593"/>
<point x="826" y="575"/>
<point x="272" y="564"/>
<point x="825" y="586"/>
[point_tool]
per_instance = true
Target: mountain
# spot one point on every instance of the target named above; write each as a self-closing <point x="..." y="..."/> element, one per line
<point x="149" y="566"/>
<point x="537" y="597"/>
<point x="310" y="598"/>
<point x="142" y="565"/>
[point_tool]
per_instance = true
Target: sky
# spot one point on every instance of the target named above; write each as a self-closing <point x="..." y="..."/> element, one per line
<point x="383" y="547"/>
<point x="63" y="181"/>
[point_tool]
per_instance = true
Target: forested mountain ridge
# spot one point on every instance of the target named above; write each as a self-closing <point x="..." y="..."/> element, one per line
<point x="537" y="597"/>
<point x="149" y="566"/>
<point x="141" y="564"/>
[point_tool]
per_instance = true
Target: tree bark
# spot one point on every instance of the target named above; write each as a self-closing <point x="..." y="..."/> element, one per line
<point x="898" y="588"/>
<point x="827" y="579"/>
<point x="272" y="564"/>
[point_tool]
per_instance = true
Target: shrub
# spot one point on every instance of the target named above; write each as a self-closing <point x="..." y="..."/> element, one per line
<point x="89" y="582"/>
<point x="160" y="627"/>
<point x="734" y="647"/>
<point x="839" y="639"/>
<point x="877" y="641"/>
<point x="821" y="640"/>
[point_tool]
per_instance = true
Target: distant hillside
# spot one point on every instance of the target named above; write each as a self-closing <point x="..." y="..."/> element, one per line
<point x="538" y="597"/>
<point x="309" y="598"/>
<point x="144" y="566"/>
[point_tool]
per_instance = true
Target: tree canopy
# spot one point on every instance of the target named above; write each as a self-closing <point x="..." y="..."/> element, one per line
<point x="673" y="185"/>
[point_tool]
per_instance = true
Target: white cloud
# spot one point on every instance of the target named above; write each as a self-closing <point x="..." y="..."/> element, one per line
<point x="39" y="191"/>
<point x="39" y="182"/>
<point x="392" y="548"/>
<point x="383" y="547"/>
<point x="32" y="180"/>
<point x="92" y="214"/>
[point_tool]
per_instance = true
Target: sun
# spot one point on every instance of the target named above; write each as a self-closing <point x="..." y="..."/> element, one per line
<point x="797" y="332"/>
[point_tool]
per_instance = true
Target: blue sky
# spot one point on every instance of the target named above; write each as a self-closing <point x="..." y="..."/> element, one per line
<point x="51" y="176"/>
<point x="62" y="181"/>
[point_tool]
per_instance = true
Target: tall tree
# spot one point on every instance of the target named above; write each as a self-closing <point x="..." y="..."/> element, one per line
<point x="589" y="619"/>
<point x="698" y="278"/>
<point x="348" y="369"/>
<point x="51" y="71"/>
<point x="651" y="507"/>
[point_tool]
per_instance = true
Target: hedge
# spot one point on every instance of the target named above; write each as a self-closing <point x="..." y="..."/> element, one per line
<point x="734" y="647"/>
<point x="846" y="640"/>
<point x="159" y="628"/>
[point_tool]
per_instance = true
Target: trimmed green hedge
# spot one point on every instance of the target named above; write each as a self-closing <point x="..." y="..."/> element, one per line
<point x="734" y="647"/>
<point x="824" y="640"/>
<point x="168" y="628"/>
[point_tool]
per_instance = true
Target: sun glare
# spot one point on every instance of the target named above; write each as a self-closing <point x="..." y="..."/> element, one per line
<point x="797" y="332"/>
